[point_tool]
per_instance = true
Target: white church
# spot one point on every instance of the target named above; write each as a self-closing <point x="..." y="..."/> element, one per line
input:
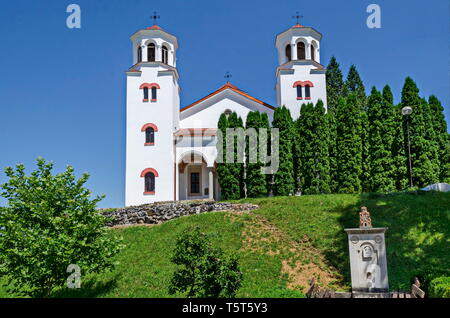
<point x="171" y="148"/>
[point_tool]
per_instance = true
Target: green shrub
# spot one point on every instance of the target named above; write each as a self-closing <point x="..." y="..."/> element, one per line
<point x="49" y="223"/>
<point x="204" y="271"/>
<point x="440" y="287"/>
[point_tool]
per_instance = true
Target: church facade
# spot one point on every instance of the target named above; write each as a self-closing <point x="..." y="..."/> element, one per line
<point x="171" y="148"/>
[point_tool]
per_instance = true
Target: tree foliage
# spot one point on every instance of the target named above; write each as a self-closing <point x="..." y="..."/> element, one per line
<point x="49" y="223"/>
<point x="203" y="271"/>
<point x="255" y="180"/>
<point x="313" y="140"/>
<point x="349" y="143"/>
<point x="284" y="182"/>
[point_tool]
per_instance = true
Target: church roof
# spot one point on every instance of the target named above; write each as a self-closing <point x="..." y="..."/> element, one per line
<point x="225" y="87"/>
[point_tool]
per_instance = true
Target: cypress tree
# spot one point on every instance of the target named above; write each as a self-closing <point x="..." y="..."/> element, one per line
<point x="335" y="87"/>
<point x="380" y="143"/>
<point x="265" y="123"/>
<point x="314" y="157"/>
<point x="354" y="85"/>
<point x="442" y="137"/>
<point x="284" y="183"/>
<point x="230" y="174"/>
<point x="423" y="153"/>
<point x="349" y="143"/>
<point x="255" y="180"/>
<point x="223" y="174"/>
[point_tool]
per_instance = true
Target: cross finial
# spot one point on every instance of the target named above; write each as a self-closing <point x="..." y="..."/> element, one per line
<point x="297" y="16"/>
<point x="154" y="17"/>
<point x="228" y="76"/>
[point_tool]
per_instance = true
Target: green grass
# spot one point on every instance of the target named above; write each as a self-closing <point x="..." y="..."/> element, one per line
<point x="308" y="229"/>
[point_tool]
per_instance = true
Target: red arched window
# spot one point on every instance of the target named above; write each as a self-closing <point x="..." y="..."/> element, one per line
<point x="153" y="87"/>
<point x="149" y="176"/>
<point x="301" y="52"/>
<point x="149" y="130"/>
<point x="299" y="86"/>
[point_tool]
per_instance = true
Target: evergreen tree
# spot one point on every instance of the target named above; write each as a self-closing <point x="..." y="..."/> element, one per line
<point x="236" y="169"/>
<point x="335" y="87"/>
<point x="423" y="152"/>
<point x="349" y="143"/>
<point x="255" y="180"/>
<point x="354" y="85"/>
<point x="380" y="143"/>
<point x="265" y="123"/>
<point x="442" y="137"/>
<point x="314" y="156"/>
<point x="225" y="179"/>
<point x="284" y="183"/>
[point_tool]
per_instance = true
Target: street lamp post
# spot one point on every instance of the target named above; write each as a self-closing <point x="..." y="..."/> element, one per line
<point x="407" y="111"/>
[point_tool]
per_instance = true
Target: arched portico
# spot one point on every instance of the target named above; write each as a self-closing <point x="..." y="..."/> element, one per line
<point x="196" y="177"/>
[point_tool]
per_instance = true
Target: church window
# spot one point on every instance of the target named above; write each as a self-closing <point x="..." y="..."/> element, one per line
<point x="145" y="94"/>
<point x="195" y="182"/>
<point x="301" y="51"/>
<point x="165" y="54"/>
<point x="149" y="130"/>
<point x="139" y="54"/>
<point x="151" y="50"/>
<point x="149" y="182"/>
<point x="288" y="52"/>
<point x="299" y="92"/>
<point x="153" y="94"/>
<point x="312" y="53"/>
<point x="149" y="135"/>
<point x="307" y="92"/>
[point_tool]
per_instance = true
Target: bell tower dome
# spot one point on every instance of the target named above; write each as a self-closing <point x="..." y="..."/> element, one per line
<point x="300" y="76"/>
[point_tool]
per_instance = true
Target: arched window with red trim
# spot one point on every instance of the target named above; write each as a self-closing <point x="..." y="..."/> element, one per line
<point x="149" y="130"/>
<point x="299" y="85"/>
<point x="153" y="87"/>
<point x="307" y="91"/>
<point x="149" y="176"/>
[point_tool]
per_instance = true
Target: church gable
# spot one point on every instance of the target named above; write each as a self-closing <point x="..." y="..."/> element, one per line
<point x="206" y="111"/>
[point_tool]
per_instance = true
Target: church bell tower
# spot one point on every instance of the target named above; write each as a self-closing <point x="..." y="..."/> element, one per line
<point x="300" y="76"/>
<point x="152" y="116"/>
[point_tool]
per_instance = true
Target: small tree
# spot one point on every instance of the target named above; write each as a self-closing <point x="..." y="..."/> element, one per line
<point x="204" y="271"/>
<point x="50" y="223"/>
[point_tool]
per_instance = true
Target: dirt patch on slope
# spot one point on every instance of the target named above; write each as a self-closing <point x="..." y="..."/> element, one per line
<point x="300" y="260"/>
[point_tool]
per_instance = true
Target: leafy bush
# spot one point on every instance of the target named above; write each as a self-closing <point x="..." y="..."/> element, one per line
<point x="204" y="271"/>
<point x="48" y="224"/>
<point x="440" y="287"/>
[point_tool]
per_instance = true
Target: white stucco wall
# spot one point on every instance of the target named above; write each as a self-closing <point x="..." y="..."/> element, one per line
<point x="160" y="156"/>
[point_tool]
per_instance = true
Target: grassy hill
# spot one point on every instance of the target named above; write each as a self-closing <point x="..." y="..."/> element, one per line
<point x="285" y="243"/>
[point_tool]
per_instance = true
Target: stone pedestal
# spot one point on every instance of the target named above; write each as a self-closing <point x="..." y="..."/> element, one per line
<point x="368" y="259"/>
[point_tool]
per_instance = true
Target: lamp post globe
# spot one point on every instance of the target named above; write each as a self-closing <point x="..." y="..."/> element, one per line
<point x="406" y="111"/>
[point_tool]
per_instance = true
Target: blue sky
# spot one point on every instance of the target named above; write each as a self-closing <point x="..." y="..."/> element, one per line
<point x="62" y="92"/>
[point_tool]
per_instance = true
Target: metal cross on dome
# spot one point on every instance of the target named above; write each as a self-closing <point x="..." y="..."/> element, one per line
<point x="228" y="76"/>
<point x="297" y="16"/>
<point x="154" y="17"/>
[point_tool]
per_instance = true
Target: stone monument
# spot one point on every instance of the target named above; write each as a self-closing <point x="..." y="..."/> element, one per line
<point x="367" y="256"/>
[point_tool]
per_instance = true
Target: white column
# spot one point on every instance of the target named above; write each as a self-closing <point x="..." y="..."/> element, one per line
<point x="211" y="184"/>
<point x="294" y="51"/>
<point x="144" y="53"/>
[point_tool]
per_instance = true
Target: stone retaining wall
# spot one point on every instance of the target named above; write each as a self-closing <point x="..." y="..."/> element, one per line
<point x="157" y="213"/>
